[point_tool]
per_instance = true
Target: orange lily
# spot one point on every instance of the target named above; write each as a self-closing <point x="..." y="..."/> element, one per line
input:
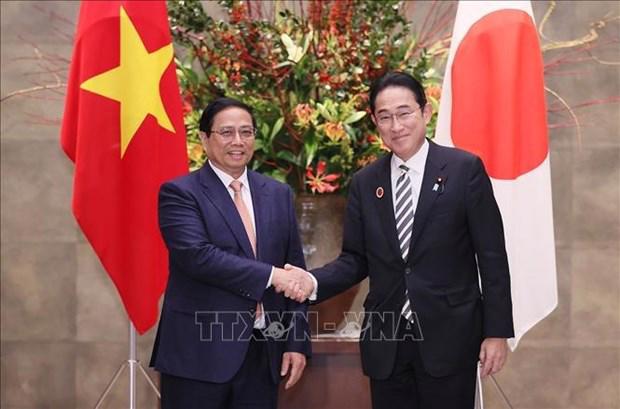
<point x="321" y="182"/>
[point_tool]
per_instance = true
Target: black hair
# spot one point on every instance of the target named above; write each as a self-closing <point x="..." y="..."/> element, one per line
<point x="396" y="79"/>
<point x="218" y="105"/>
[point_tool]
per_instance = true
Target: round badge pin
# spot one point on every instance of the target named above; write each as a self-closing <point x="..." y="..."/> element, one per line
<point x="379" y="192"/>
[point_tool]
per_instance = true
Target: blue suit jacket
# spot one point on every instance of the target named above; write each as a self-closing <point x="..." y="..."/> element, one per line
<point x="215" y="281"/>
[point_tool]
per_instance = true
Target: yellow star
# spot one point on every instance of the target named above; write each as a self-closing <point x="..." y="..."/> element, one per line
<point x="135" y="82"/>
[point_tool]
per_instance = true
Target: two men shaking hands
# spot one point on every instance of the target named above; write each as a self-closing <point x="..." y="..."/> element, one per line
<point x="421" y="223"/>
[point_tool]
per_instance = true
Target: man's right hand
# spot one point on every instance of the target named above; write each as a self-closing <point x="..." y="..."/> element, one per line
<point x="294" y="282"/>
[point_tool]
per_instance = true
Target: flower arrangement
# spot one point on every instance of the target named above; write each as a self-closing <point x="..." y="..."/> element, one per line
<point x="306" y="66"/>
<point x="306" y="72"/>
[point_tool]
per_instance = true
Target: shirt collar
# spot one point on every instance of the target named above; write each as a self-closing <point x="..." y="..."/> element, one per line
<point x="226" y="178"/>
<point x="415" y="163"/>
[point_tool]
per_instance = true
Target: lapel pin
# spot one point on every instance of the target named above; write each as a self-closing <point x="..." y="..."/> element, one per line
<point x="439" y="184"/>
<point x="379" y="192"/>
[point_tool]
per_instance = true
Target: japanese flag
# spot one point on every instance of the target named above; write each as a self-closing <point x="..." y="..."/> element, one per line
<point x="493" y="104"/>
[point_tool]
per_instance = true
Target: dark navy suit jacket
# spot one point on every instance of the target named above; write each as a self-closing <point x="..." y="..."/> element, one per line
<point x="457" y="234"/>
<point x="215" y="281"/>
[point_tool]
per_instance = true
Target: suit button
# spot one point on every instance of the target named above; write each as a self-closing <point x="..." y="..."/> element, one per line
<point x="408" y="270"/>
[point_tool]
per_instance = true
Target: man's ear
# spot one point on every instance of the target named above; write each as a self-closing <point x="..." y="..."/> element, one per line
<point x="203" y="139"/>
<point x="373" y="119"/>
<point x="427" y="112"/>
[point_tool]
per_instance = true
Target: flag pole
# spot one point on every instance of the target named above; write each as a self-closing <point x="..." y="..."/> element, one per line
<point x="132" y="366"/>
<point x="479" y="401"/>
<point x="132" y="363"/>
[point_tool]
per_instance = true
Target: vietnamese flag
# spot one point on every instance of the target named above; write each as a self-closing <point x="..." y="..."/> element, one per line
<point x="123" y="128"/>
<point x="493" y="104"/>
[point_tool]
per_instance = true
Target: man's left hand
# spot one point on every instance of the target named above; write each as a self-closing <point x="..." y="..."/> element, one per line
<point x="293" y="363"/>
<point x="493" y="355"/>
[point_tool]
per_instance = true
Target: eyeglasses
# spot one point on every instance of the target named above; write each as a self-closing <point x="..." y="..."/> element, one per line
<point x="403" y="116"/>
<point x="227" y="133"/>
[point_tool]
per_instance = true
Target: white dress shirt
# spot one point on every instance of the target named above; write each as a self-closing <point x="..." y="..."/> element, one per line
<point x="246" y="193"/>
<point x="416" y="165"/>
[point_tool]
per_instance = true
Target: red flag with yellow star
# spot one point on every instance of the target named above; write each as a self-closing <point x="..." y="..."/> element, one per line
<point x="123" y="128"/>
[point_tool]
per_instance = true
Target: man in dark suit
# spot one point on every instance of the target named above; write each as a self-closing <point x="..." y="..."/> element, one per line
<point x="225" y="336"/>
<point x="422" y="223"/>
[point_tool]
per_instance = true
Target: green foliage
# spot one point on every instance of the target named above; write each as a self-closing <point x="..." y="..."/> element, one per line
<point x="306" y="76"/>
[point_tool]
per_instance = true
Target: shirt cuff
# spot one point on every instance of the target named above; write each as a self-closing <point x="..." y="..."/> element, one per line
<point x="315" y="283"/>
<point x="270" y="277"/>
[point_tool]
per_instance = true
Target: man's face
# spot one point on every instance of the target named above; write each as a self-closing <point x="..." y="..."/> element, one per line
<point x="400" y="120"/>
<point x="229" y="146"/>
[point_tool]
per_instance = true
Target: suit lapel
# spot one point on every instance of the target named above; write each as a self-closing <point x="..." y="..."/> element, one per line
<point x="219" y="196"/>
<point x="385" y="207"/>
<point x="261" y="210"/>
<point x="433" y="170"/>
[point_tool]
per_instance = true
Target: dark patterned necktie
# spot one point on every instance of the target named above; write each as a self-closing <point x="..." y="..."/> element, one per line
<point x="404" y="224"/>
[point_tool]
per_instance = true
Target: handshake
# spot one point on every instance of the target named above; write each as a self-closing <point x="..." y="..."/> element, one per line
<point x="296" y="283"/>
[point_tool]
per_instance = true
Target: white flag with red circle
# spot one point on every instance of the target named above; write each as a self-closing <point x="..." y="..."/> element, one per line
<point x="493" y="104"/>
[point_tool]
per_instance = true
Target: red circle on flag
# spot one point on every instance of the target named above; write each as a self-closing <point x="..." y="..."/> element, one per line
<point x="498" y="97"/>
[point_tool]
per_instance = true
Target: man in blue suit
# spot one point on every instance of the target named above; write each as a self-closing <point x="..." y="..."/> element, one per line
<point x="226" y="337"/>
